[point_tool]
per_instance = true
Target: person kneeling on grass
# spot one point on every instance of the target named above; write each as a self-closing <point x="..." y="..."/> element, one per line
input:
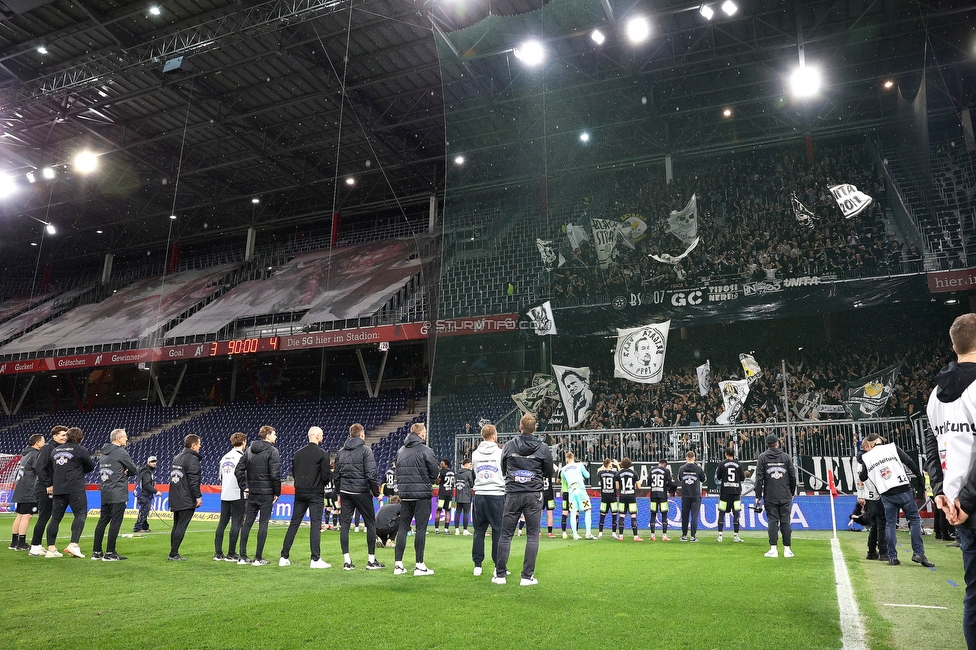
<point x="388" y="523"/>
<point x="573" y="475"/>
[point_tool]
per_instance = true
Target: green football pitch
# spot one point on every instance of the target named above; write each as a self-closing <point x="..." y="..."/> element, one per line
<point x="590" y="594"/>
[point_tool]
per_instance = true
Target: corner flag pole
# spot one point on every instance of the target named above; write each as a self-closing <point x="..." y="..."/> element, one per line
<point x="833" y="495"/>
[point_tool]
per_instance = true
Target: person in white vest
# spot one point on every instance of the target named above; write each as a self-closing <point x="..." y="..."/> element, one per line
<point x="884" y="465"/>
<point x="949" y="448"/>
<point x="870" y="499"/>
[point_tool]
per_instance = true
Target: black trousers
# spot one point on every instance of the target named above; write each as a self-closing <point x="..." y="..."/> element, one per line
<point x="363" y="503"/>
<point x="689" y="515"/>
<point x="420" y="509"/>
<point x="78" y="501"/>
<point x="488" y="511"/>
<point x="142" y="519"/>
<point x="231" y="512"/>
<point x="314" y="504"/>
<point x="877" y="536"/>
<point x="181" y="520"/>
<point x="778" y="516"/>
<point x="256" y="504"/>
<point x="462" y="509"/>
<point x="110" y="515"/>
<point x="45" y="504"/>
<point x="520" y="504"/>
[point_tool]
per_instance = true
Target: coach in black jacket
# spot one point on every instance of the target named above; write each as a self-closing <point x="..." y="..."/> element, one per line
<point x="259" y="475"/>
<point x="43" y="490"/>
<point x="311" y="470"/>
<point x="356" y="482"/>
<point x="416" y="471"/>
<point x="146" y="486"/>
<point x="71" y="462"/>
<point x="775" y="487"/>
<point x="115" y="467"/>
<point x="184" y="492"/>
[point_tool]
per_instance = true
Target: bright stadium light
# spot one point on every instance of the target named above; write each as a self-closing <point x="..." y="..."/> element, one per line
<point x="154" y="10"/>
<point x="7" y="186"/>
<point x="48" y="173"/>
<point x="584" y="137"/>
<point x="51" y="230"/>
<point x="727" y="112"/>
<point x="172" y="217"/>
<point x="350" y="181"/>
<point x="805" y="81"/>
<point x="86" y="162"/>
<point x="459" y="160"/>
<point x="706" y="11"/>
<point x="255" y="200"/>
<point x="531" y="53"/>
<point x="638" y="29"/>
<point x="889" y="84"/>
<point x="597" y="36"/>
<point x="41" y="49"/>
<point x="729" y="7"/>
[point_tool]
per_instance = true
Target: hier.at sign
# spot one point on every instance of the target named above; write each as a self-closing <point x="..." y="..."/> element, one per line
<point x="956" y="280"/>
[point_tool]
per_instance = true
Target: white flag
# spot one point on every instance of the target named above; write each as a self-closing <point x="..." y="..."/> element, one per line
<point x="704" y="374"/>
<point x="734" y="394"/>
<point x="684" y="224"/>
<point x="576" y="235"/>
<point x="664" y="258"/>
<point x="850" y="200"/>
<point x="802" y="213"/>
<point x="605" y="239"/>
<point x="807" y="405"/>
<point x="548" y="253"/>
<point x="542" y="320"/>
<point x="750" y="367"/>
<point x="640" y="353"/>
<point x="532" y="397"/>
<point x="575" y="393"/>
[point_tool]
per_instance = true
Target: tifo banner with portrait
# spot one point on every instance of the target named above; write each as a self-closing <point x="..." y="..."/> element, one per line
<point x="639" y="356"/>
<point x="575" y="393"/>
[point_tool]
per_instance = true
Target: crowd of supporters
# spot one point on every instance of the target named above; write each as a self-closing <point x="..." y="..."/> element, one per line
<point x="746" y="222"/>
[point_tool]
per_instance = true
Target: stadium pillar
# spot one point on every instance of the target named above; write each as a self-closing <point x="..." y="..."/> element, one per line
<point x="107" y="268"/>
<point x="433" y="212"/>
<point x="252" y="235"/>
<point x="233" y="379"/>
<point x="322" y="372"/>
<point x="668" y="169"/>
<point x="20" y="401"/>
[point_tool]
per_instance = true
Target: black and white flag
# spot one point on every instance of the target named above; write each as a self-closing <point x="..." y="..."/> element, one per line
<point x="542" y="320"/>
<point x="704" y="372"/>
<point x="548" y="253"/>
<point x="683" y="223"/>
<point x="802" y="213"/>
<point x="734" y="394"/>
<point x="664" y="258"/>
<point x="575" y="393"/>
<point x="576" y="235"/>
<point x="867" y="397"/>
<point x="750" y="367"/>
<point x="850" y="200"/>
<point x="542" y="388"/>
<point x="640" y="352"/>
<point x="605" y="240"/>
<point x="807" y="405"/>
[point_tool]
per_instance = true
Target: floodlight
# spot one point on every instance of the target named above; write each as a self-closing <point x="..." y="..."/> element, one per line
<point x="7" y="186"/>
<point x="31" y="178"/>
<point x="48" y="173"/>
<point x="531" y="53"/>
<point x="597" y="36"/>
<point x="727" y="112"/>
<point x="459" y="160"/>
<point x="706" y="11"/>
<point x="51" y="230"/>
<point x="584" y="137"/>
<point x="154" y="10"/>
<point x="729" y="7"/>
<point x="172" y="217"/>
<point x="41" y="49"/>
<point x="255" y="200"/>
<point x="889" y="84"/>
<point x="86" y="162"/>
<point x="350" y="181"/>
<point x="638" y="29"/>
<point x="805" y="81"/>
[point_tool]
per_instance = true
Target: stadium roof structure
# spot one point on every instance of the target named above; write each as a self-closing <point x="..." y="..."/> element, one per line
<point x="197" y="107"/>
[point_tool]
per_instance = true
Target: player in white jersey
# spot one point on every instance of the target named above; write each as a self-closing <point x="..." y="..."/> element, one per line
<point x="574" y="477"/>
<point x="231" y="500"/>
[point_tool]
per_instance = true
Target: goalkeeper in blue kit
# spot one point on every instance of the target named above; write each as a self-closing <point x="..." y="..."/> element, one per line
<point x="574" y="477"/>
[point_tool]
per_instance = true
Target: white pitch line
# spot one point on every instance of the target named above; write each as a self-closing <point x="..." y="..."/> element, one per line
<point x="918" y="606"/>
<point x="851" y="628"/>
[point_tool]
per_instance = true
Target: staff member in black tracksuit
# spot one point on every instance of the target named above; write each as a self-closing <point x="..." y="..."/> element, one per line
<point x="690" y="477"/>
<point x="311" y="470"/>
<point x="184" y="492"/>
<point x="71" y="462"/>
<point x="525" y="460"/>
<point x="416" y="470"/>
<point x="259" y="475"/>
<point x="356" y="483"/>
<point x="43" y="490"/>
<point x="115" y="467"/>
<point x="23" y="495"/>
<point x="146" y="483"/>
<point x="775" y="487"/>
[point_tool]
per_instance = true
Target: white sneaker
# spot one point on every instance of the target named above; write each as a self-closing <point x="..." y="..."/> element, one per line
<point x="356" y="529"/>
<point x="495" y="580"/>
<point x="421" y="570"/>
<point x="564" y="535"/>
<point x="600" y="535"/>
<point x="526" y="582"/>
<point x="477" y="571"/>
<point x="465" y="532"/>
<point x="588" y="536"/>
<point x="773" y="552"/>
<point x="737" y="538"/>
<point x="787" y="551"/>
<point x="50" y="554"/>
<point x="74" y="550"/>
<point x="457" y="531"/>
<point x="399" y="570"/>
<point x="36" y="551"/>
<point x="576" y="538"/>
<point x="284" y="562"/>
<point x="319" y="564"/>
<point x="719" y="538"/>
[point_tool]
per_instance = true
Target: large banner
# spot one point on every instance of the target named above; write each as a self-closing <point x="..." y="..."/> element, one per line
<point x="605" y="240"/>
<point x="574" y="390"/>
<point x="850" y="200"/>
<point x="640" y="352"/>
<point x="867" y="397"/>
<point x="734" y="395"/>
<point x="683" y="223"/>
